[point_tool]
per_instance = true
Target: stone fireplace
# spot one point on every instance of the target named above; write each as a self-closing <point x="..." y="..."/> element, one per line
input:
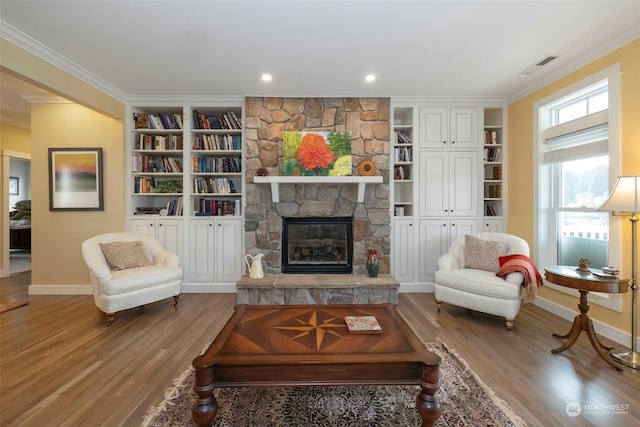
<point x="368" y="121"/>
<point x="317" y="245"/>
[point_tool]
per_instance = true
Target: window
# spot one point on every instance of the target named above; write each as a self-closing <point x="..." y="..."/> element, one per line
<point x="578" y="149"/>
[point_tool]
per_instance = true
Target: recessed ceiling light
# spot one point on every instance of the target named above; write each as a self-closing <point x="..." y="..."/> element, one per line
<point x="370" y="77"/>
<point x="266" y="77"/>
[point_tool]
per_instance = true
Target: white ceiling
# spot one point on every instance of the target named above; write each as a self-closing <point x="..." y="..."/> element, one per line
<point x="471" y="49"/>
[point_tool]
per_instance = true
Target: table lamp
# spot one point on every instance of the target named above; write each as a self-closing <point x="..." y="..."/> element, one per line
<point x="625" y="200"/>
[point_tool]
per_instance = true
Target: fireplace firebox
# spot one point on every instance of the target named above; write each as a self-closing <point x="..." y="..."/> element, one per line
<point x="317" y="245"/>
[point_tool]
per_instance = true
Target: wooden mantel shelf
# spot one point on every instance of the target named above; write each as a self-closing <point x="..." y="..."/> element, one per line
<point x="275" y="182"/>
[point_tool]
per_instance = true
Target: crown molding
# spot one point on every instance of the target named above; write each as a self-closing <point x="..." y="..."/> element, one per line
<point x="606" y="47"/>
<point x="22" y="124"/>
<point x="36" y="48"/>
<point x="196" y="100"/>
<point x="44" y="98"/>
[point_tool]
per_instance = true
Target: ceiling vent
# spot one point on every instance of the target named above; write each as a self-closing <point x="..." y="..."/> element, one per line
<point x="539" y="64"/>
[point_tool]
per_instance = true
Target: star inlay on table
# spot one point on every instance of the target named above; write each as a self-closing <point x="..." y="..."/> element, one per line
<point x="333" y="325"/>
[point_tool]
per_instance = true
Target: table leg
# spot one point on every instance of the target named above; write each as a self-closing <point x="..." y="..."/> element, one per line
<point x="427" y="403"/>
<point x="582" y="322"/>
<point x="571" y="336"/>
<point x="206" y="406"/>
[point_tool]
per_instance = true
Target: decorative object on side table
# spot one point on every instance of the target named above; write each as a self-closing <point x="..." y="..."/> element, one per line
<point x="373" y="263"/>
<point x="366" y="168"/>
<point x="262" y="172"/>
<point x="583" y="266"/>
<point x="625" y="200"/>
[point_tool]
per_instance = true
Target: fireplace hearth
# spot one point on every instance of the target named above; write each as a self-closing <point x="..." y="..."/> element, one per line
<point x="316" y="245"/>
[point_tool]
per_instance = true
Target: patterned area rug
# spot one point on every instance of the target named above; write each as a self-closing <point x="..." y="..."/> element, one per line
<point x="10" y="306"/>
<point x="465" y="400"/>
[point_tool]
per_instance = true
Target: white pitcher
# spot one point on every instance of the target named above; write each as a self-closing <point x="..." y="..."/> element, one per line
<point x="255" y="267"/>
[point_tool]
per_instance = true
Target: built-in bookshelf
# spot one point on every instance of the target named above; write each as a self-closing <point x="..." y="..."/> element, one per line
<point x="403" y="135"/>
<point x="493" y="163"/>
<point x="216" y="162"/>
<point x="157" y="155"/>
<point x="186" y="187"/>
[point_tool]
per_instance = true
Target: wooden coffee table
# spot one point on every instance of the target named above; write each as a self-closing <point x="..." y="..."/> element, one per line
<point x="311" y="345"/>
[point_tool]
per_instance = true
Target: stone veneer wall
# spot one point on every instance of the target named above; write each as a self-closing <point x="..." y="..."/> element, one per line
<point x="368" y="121"/>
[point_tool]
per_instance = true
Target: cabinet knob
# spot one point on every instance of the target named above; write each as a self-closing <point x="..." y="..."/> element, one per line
<point x="453" y="142"/>
<point x="444" y="142"/>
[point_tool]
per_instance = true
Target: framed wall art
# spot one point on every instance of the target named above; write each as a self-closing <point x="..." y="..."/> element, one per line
<point x="14" y="187"/>
<point x="75" y="179"/>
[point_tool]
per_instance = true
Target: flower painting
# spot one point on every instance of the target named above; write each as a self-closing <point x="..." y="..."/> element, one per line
<point x="316" y="153"/>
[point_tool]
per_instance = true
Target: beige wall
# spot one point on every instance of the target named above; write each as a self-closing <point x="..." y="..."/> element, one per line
<point x="57" y="236"/>
<point x="15" y="139"/>
<point x="521" y="186"/>
<point x="95" y="121"/>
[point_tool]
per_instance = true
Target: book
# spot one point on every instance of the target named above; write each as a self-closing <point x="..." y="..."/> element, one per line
<point x="363" y="325"/>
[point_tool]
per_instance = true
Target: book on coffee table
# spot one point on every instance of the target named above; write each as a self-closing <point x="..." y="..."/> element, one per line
<point x="363" y="325"/>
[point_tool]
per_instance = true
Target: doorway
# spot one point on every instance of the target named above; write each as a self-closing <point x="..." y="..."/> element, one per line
<point x="16" y="212"/>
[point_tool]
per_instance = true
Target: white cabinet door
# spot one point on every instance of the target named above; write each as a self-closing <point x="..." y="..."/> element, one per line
<point x="463" y="128"/>
<point x="434" y="127"/>
<point x="145" y="226"/>
<point x="493" y="225"/>
<point x="443" y="127"/>
<point x="168" y="232"/>
<point x="460" y="227"/>
<point x="171" y="236"/>
<point x="228" y="250"/>
<point x="463" y="184"/>
<point x="201" y="257"/>
<point x="436" y="236"/>
<point x="216" y="250"/>
<point x="403" y="250"/>
<point x="448" y="183"/>
<point x="433" y="184"/>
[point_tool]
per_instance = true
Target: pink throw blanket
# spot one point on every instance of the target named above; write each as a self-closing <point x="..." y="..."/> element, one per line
<point x="523" y="264"/>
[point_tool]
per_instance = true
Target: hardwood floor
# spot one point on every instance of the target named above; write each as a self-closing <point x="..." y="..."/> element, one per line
<point x="61" y="366"/>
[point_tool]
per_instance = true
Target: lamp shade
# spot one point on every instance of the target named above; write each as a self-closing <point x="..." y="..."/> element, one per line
<point x="625" y="196"/>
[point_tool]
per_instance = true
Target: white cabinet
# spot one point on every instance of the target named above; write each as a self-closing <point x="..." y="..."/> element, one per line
<point x="404" y="252"/>
<point x="435" y="237"/>
<point x="493" y="225"/>
<point x="215" y="250"/>
<point x="168" y="231"/>
<point x="448" y="183"/>
<point x="444" y="127"/>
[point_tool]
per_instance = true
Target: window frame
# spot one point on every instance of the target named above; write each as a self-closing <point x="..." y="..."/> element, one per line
<point x="544" y="120"/>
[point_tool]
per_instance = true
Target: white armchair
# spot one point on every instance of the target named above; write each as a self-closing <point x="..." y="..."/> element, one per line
<point x="133" y="278"/>
<point x="478" y="289"/>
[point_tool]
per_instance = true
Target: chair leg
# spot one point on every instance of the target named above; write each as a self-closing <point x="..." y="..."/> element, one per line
<point x="110" y="318"/>
<point x="176" y="298"/>
<point x="439" y="305"/>
<point x="510" y="323"/>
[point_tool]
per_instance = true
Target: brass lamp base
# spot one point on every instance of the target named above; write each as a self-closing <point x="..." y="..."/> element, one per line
<point x="627" y="358"/>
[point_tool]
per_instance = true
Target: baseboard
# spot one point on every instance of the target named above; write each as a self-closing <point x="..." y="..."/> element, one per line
<point x="209" y="288"/>
<point x="60" y="290"/>
<point x="621" y="337"/>
<point x="416" y="288"/>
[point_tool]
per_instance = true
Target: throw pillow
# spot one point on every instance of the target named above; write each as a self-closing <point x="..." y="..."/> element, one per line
<point x="483" y="254"/>
<point x="123" y="255"/>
